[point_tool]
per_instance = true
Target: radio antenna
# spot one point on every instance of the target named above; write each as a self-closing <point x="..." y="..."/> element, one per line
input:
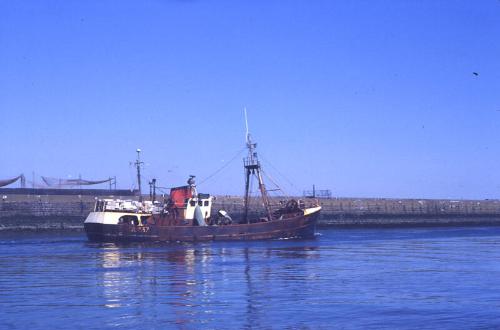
<point x="247" y="136"/>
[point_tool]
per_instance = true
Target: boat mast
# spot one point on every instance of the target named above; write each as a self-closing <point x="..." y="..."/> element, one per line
<point x="152" y="190"/>
<point x="138" y="164"/>
<point x="252" y="166"/>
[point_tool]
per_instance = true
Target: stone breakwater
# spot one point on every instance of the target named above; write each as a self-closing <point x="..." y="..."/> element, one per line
<point x="24" y="208"/>
<point x="27" y="209"/>
<point x="379" y="212"/>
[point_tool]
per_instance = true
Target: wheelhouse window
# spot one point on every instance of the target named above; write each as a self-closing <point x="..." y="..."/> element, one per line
<point x="100" y="206"/>
<point x="206" y="203"/>
<point x="147" y="220"/>
<point x="128" y="219"/>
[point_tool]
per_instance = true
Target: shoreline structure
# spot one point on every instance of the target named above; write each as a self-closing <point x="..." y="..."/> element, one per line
<point x="39" y="209"/>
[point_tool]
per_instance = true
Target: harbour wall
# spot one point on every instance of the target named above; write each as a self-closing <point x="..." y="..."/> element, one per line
<point x="25" y="208"/>
<point x="52" y="208"/>
<point x="384" y="212"/>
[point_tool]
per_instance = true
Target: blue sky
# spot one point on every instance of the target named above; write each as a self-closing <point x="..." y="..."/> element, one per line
<point x="366" y="98"/>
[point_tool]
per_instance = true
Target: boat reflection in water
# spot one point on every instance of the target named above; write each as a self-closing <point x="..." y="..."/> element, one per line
<point x="192" y="284"/>
<point x="396" y="278"/>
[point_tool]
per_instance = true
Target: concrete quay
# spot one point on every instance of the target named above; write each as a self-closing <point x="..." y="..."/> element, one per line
<point x="63" y="209"/>
<point x="383" y="212"/>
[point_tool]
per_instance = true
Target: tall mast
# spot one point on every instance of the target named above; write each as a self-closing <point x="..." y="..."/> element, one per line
<point x="252" y="166"/>
<point x="138" y="164"/>
<point x="152" y="190"/>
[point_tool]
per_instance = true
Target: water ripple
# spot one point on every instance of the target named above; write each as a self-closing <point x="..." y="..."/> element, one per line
<point x="372" y="279"/>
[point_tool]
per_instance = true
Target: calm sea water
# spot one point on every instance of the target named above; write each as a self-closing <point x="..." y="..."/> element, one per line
<point x="371" y="278"/>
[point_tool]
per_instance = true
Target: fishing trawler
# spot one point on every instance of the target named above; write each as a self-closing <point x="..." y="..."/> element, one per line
<point x="186" y="215"/>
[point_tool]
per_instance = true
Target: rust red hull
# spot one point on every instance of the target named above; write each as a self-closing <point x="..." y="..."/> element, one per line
<point x="299" y="226"/>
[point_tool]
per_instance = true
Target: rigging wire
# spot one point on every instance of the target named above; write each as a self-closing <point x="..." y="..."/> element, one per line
<point x="221" y="168"/>
<point x="146" y="174"/>
<point x="162" y="190"/>
<point x="281" y="174"/>
<point x="131" y="176"/>
<point x="274" y="182"/>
